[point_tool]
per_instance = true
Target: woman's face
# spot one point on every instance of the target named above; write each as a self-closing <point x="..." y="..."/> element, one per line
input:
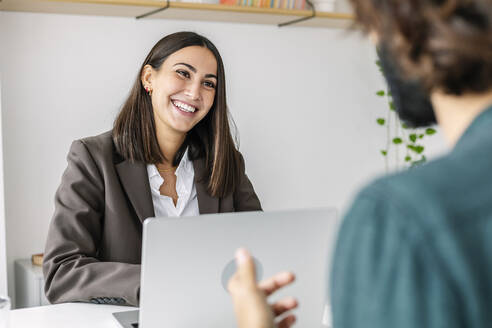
<point x="183" y="89"/>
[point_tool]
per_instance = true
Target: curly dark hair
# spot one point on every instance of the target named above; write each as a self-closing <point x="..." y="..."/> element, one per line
<point x="446" y="44"/>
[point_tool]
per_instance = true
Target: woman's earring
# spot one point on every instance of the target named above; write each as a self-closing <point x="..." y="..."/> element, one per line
<point x="149" y="91"/>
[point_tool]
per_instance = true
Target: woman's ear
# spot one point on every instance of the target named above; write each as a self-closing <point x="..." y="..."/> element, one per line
<point x="147" y="75"/>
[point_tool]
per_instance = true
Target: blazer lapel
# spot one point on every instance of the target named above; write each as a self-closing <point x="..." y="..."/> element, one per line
<point x="206" y="203"/>
<point x="135" y="181"/>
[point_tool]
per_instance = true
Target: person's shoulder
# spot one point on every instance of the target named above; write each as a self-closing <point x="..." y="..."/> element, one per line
<point x="98" y="146"/>
<point x="100" y="140"/>
<point x="416" y="198"/>
<point x="99" y="143"/>
<point x="413" y="183"/>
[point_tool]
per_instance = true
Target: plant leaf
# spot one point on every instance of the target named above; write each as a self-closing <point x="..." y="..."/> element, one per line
<point x="430" y="131"/>
<point x="413" y="137"/>
<point x="384" y="152"/>
<point x="408" y="158"/>
<point x="404" y="125"/>
<point x="381" y="121"/>
<point x="416" y="148"/>
<point x="392" y="105"/>
<point x="421" y="136"/>
<point x="422" y="160"/>
<point x="397" y="140"/>
<point x="380" y="93"/>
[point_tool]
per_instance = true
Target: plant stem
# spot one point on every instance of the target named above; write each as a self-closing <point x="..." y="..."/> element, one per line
<point x="388" y="141"/>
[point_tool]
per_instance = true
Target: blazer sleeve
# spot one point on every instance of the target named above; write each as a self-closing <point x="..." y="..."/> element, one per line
<point x="245" y="198"/>
<point x="71" y="266"/>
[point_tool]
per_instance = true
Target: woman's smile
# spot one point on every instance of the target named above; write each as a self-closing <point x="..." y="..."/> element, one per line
<point x="184" y="108"/>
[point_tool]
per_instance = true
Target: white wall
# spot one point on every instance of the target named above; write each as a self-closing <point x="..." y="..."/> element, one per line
<point x="303" y="100"/>
<point x="3" y="244"/>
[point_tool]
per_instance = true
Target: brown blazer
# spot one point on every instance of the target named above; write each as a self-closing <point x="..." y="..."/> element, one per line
<point x="93" y="250"/>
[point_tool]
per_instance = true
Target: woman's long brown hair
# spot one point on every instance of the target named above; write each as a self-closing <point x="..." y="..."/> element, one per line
<point x="134" y="132"/>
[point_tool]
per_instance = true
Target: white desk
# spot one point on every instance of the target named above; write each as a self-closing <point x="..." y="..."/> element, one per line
<point x="73" y="315"/>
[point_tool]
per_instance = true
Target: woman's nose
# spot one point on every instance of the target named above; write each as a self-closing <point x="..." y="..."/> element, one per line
<point x="193" y="90"/>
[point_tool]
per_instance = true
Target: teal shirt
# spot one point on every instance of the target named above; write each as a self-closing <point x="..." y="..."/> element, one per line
<point x="415" y="248"/>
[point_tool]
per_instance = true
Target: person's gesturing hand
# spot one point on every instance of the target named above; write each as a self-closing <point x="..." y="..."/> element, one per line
<point x="250" y="299"/>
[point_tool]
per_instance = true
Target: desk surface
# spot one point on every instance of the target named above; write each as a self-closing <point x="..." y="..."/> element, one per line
<point x="73" y="315"/>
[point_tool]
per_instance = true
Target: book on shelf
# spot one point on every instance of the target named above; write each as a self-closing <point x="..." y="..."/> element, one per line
<point x="277" y="4"/>
<point x="37" y="259"/>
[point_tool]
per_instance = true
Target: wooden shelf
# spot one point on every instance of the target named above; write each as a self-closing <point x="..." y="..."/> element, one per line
<point x="178" y="10"/>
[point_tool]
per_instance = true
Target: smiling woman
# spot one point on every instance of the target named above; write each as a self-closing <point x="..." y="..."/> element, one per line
<point x="170" y="153"/>
<point x="181" y="94"/>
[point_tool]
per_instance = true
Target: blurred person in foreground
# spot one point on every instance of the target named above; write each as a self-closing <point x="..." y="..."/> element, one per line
<point x="415" y="248"/>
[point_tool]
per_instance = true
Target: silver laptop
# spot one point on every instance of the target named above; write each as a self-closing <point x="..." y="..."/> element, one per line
<point x="187" y="261"/>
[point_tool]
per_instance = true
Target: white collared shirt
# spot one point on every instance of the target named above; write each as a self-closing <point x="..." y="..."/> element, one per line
<point x="187" y="204"/>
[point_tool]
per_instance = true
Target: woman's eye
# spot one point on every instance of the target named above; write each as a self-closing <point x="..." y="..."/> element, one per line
<point x="183" y="73"/>
<point x="209" y="84"/>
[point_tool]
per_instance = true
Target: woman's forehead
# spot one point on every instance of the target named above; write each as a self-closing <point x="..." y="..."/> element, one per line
<point x="200" y="58"/>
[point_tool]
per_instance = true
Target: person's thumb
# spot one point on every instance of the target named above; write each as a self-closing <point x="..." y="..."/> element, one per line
<point x="245" y="267"/>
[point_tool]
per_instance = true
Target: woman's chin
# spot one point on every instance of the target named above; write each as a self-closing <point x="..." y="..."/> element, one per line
<point x="182" y="128"/>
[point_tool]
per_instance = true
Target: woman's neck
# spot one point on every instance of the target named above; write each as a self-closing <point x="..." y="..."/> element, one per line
<point x="169" y="143"/>
<point x="455" y="113"/>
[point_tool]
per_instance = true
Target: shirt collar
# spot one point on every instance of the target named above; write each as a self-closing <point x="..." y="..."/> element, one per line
<point x="152" y="170"/>
<point x="185" y="167"/>
<point x="185" y="164"/>
<point x="478" y="130"/>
